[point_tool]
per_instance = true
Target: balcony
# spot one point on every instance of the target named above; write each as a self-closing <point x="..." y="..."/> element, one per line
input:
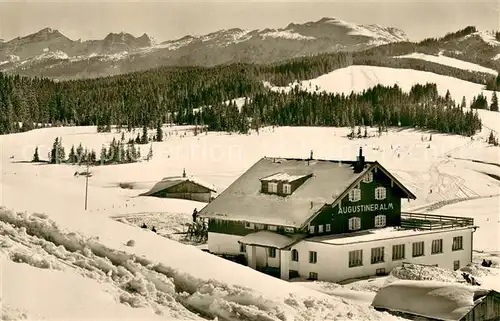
<point x="433" y="222"/>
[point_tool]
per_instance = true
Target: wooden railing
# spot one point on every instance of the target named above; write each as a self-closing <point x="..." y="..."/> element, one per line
<point x="432" y="222"/>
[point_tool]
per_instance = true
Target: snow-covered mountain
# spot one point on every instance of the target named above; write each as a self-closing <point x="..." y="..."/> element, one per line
<point x="50" y="53"/>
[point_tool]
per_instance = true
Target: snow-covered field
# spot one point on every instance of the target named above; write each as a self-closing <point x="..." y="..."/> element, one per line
<point x="60" y="262"/>
<point x="359" y="78"/>
<point x="452" y="62"/>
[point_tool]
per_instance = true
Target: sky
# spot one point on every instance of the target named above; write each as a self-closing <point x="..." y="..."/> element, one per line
<point x="165" y="20"/>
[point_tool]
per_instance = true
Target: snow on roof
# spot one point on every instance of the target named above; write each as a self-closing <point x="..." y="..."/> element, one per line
<point x="270" y="239"/>
<point x="243" y="200"/>
<point x="283" y="177"/>
<point x="168" y="182"/>
<point x="431" y="299"/>
<point x="369" y="235"/>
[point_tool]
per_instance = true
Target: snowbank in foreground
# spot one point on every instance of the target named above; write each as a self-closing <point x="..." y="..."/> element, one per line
<point x="36" y="294"/>
<point x="199" y="281"/>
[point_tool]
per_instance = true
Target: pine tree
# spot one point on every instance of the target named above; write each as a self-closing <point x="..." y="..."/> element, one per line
<point x="36" y="157"/>
<point x="72" y="159"/>
<point x="464" y="103"/>
<point x="447" y="96"/>
<point x="494" y="102"/>
<point x="492" y="139"/>
<point x="62" y="154"/>
<point x="103" y="156"/>
<point x="159" y="132"/>
<point x="144" y="138"/>
<point x="79" y="153"/>
<point x="150" y="153"/>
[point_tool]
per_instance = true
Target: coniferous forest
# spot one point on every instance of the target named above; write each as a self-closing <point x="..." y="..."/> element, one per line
<point x="172" y="94"/>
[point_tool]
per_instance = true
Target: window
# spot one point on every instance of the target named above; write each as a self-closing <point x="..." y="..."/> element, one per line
<point x="437" y="246"/>
<point x="272" y="227"/>
<point x="249" y="225"/>
<point x="418" y="249"/>
<point x="328" y="227"/>
<point x="272" y="187"/>
<point x="313" y="257"/>
<point x="289" y="229"/>
<point x="272" y="252"/>
<point x="457" y="243"/>
<point x="259" y="226"/>
<point x="355" y="258"/>
<point x="311" y="229"/>
<point x="313" y="276"/>
<point x="380" y="193"/>
<point x="243" y="248"/>
<point x="368" y="178"/>
<point x="456" y="265"/>
<point x="295" y="255"/>
<point x="320" y="228"/>
<point x="398" y="252"/>
<point x="380" y="221"/>
<point x="354" y="223"/>
<point x="354" y="195"/>
<point x="377" y="255"/>
<point x="293" y="274"/>
<point x="287" y="189"/>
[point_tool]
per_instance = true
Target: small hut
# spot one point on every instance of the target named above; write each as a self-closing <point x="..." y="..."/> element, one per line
<point x="182" y="187"/>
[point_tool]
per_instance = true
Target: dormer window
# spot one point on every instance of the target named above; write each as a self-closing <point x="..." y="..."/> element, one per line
<point x="282" y="183"/>
<point x="368" y="178"/>
<point x="354" y="195"/>
<point x="380" y="193"/>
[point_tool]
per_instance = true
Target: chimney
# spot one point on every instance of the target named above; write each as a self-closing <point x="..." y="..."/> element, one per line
<point x="183" y="172"/>
<point x="311" y="157"/>
<point x="360" y="162"/>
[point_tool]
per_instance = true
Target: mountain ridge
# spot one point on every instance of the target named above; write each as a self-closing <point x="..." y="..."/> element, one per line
<point x="49" y="53"/>
<point x="127" y="52"/>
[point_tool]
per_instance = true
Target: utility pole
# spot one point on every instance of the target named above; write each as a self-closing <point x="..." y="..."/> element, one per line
<point x="86" y="183"/>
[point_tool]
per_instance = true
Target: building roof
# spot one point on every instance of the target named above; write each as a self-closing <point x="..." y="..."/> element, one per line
<point x="244" y="201"/>
<point x="270" y="239"/>
<point x="329" y="181"/>
<point x="168" y="182"/>
<point x="430" y="299"/>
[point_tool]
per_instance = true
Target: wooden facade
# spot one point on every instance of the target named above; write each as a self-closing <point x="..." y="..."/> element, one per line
<point x="486" y="309"/>
<point x="185" y="190"/>
<point x="244" y="228"/>
<point x="366" y="208"/>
